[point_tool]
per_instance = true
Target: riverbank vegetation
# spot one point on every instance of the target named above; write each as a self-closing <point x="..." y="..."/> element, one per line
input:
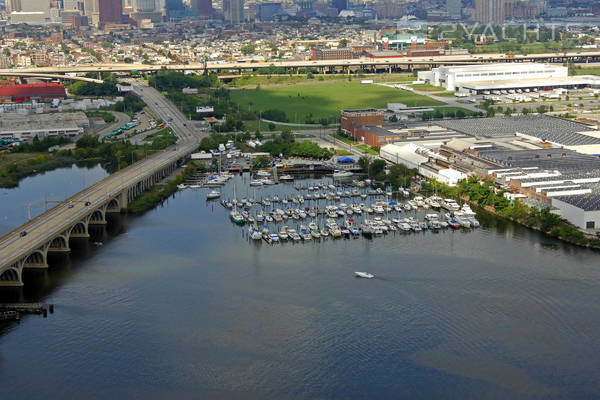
<point x="160" y="192"/>
<point x="484" y="194"/>
<point x="33" y="158"/>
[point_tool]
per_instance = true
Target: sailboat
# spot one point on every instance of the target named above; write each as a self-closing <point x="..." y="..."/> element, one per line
<point x="235" y="216"/>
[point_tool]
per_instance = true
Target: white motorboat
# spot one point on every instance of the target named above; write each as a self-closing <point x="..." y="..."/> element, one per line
<point x="256" y="182"/>
<point x="182" y="186"/>
<point x="365" y="275"/>
<point x="342" y="174"/>
<point x="213" y="194"/>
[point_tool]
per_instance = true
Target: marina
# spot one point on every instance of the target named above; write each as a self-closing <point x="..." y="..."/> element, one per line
<point x="318" y="209"/>
<point x="432" y="293"/>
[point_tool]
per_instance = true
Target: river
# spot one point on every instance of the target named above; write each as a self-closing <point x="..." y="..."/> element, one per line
<point x="178" y="303"/>
<point x="30" y="197"/>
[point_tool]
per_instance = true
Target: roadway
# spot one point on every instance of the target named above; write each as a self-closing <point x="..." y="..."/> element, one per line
<point x="162" y="108"/>
<point x="359" y="62"/>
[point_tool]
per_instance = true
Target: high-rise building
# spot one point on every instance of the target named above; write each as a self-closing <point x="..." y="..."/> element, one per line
<point x="73" y="5"/>
<point x="268" y="11"/>
<point x="454" y="8"/>
<point x="28" y="6"/>
<point x="339" y="4"/>
<point x="107" y="12"/>
<point x="203" y="7"/>
<point x="145" y="5"/>
<point x="491" y="11"/>
<point x="233" y="10"/>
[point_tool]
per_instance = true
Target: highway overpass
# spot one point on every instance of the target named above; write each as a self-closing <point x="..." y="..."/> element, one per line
<point x="17" y="73"/>
<point x="367" y="64"/>
<point x="28" y="246"/>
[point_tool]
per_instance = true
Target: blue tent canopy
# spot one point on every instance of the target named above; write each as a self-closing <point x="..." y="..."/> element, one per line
<point x="345" y="159"/>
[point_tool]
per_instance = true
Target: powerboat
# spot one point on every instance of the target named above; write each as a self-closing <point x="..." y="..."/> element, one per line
<point x="365" y="275"/>
<point x="213" y="194"/>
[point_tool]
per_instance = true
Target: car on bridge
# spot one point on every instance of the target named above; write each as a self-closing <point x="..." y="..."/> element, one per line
<point x="23" y="233"/>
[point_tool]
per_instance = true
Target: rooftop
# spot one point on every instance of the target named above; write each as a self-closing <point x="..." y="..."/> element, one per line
<point x="542" y="127"/>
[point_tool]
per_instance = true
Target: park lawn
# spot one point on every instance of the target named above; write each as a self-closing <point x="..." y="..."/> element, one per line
<point x="252" y="125"/>
<point x="426" y="87"/>
<point x="586" y="71"/>
<point x="325" y="99"/>
<point x="251" y="80"/>
<point x="444" y="94"/>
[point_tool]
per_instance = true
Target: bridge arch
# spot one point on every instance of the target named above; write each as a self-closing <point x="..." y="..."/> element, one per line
<point x="59" y="243"/>
<point x="11" y="274"/>
<point x="36" y="259"/>
<point x="113" y="206"/>
<point x="97" y="217"/>
<point x="80" y="229"/>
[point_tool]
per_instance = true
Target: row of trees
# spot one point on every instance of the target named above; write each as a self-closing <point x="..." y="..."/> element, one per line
<point x="175" y="81"/>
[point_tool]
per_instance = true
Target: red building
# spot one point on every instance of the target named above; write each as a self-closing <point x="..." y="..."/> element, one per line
<point x="110" y="12"/>
<point x="32" y="91"/>
<point x="352" y="119"/>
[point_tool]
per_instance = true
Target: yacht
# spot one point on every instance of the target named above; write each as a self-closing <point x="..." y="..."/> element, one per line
<point x="283" y="233"/>
<point x="365" y="275"/>
<point x="256" y="182"/>
<point x="213" y="194"/>
<point x="342" y="174"/>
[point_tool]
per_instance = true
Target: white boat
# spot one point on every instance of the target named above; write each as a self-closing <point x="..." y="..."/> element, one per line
<point x="286" y="178"/>
<point x="255" y="234"/>
<point x="213" y="194"/>
<point x="182" y="186"/>
<point x="256" y="182"/>
<point x="342" y="174"/>
<point x="366" y="275"/>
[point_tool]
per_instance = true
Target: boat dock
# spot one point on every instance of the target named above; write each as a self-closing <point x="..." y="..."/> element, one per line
<point x="13" y="311"/>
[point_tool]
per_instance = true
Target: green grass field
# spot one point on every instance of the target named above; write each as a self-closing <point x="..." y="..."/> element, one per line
<point x="325" y="99"/>
<point x="248" y="80"/>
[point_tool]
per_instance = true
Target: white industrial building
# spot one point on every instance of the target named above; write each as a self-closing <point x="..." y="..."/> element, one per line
<point x="26" y="127"/>
<point x="419" y="157"/>
<point x="457" y="77"/>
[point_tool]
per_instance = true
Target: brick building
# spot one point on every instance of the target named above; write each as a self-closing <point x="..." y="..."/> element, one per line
<point x="352" y="119"/>
<point x="325" y="53"/>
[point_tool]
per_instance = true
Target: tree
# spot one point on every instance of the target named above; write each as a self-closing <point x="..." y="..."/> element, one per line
<point x="248" y="49"/>
<point x="261" y="162"/>
<point x="508" y="112"/>
<point x="343" y="43"/>
<point x="376" y="169"/>
<point x="364" y="162"/>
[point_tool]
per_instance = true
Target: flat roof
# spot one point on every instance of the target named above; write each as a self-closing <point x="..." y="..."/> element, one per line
<point x="498" y="66"/>
<point x="529" y="83"/>
<point x="541" y="126"/>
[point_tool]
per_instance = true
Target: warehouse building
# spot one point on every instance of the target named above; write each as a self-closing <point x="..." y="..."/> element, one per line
<point x="456" y="77"/>
<point x="31" y="91"/>
<point x="26" y="127"/>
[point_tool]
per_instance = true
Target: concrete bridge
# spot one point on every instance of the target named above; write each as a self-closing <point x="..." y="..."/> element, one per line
<point x="17" y="73"/>
<point x="28" y="246"/>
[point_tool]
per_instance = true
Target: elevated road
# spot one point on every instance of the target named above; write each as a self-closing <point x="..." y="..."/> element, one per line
<point x="29" y="245"/>
<point x="406" y="62"/>
<point x="17" y="73"/>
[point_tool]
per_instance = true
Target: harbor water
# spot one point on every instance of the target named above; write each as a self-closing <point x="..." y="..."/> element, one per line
<point x="178" y="302"/>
